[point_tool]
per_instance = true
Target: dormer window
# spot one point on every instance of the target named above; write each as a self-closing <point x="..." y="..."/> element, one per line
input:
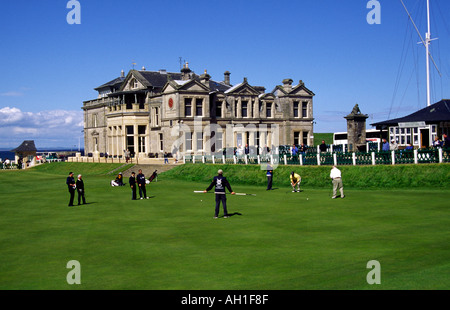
<point x="134" y="84"/>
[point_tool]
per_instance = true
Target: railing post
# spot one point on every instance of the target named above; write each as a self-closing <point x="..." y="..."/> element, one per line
<point x="259" y="160"/>
<point x="318" y="158"/>
<point x="393" y="157"/>
<point x="440" y="155"/>
<point x="213" y="159"/>
<point x="300" y="157"/>
<point x="373" y="159"/>
<point x="335" y="159"/>
<point x="354" y="159"/>
<point x="184" y="159"/>
<point x="234" y="159"/>
<point x="203" y="158"/>
<point x="223" y="159"/>
<point x="285" y="160"/>
<point x="246" y="159"/>
<point x="416" y="157"/>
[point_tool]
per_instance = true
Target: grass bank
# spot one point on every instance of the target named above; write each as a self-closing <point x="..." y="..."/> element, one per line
<point x="358" y="177"/>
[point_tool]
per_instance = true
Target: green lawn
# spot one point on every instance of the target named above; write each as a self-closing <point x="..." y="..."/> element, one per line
<point x="275" y="240"/>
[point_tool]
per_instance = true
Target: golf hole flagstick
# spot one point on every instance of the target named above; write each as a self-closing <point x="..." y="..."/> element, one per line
<point x="239" y="194"/>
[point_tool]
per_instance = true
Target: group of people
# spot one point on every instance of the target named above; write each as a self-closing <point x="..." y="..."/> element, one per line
<point x="437" y="143"/>
<point x="444" y="143"/>
<point x="77" y="186"/>
<point x="136" y="182"/>
<point x="220" y="183"/>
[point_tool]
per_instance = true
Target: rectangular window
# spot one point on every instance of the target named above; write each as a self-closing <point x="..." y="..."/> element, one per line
<point x="305" y="109"/>
<point x="187" y="107"/>
<point x="199" y="141"/>
<point x="156" y="116"/>
<point x="296" y="106"/>
<point x="188" y="141"/>
<point x="141" y="138"/>
<point x="219" y="109"/>
<point x="305" y="138"/>
<point x="244" y="107"/>
<point x="269" y="109"/>
<point x="297" y="138"/>
<point x="141" y="146"/>
<point x="130" y="138"/>
<point x="130" y="130"/>
<point x="161" y="142"/>
<point x="199" y="107"/>
<point x="218" y="143"/>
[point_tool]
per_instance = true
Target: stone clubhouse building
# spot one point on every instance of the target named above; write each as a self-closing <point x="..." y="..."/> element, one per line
<point x="150" y="113"/>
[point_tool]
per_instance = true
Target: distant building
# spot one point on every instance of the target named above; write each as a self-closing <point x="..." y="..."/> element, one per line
<point x="26" y="153"/>
<point x="419" y="128"/>
<point x="152" y="112"/>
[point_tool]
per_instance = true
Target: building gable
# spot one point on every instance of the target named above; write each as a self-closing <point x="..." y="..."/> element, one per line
<point x="134" y="81"/>
<point x="185" y="86"/>
<point x="242" y="89"/>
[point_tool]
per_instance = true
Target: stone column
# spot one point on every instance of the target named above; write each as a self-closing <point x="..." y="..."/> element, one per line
<point x="356" y="130"/>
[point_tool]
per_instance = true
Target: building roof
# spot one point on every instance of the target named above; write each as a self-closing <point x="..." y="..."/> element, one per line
<point x="435" y="113"/>
<point x="158" y="78"/>
<point x="26" y="146"/>
<point x="116" y="82"/>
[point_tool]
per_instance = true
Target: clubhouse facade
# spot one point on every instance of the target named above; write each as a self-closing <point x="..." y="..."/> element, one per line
<point x="157" y="112"/>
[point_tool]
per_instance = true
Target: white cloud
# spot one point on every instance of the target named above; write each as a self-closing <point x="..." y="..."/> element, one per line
<point x="59" y="126"/>
<point x="12" y="94"/>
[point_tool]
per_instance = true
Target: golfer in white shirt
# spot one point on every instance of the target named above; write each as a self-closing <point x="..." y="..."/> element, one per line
<point x="336" y="176"/>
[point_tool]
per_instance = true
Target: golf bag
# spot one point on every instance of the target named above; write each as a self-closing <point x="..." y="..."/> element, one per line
<point x="153" y="176"/>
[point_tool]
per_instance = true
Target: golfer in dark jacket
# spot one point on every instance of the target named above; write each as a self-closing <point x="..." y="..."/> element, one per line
<point x="141" y="183"/>
<point x="70" y="181"/>
<point x="220" y="182"/>
<point x="80" y="190"/>
<point x="132" y="182"/>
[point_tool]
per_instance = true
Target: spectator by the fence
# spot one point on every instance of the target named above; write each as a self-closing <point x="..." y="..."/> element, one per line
<point x="385" y="146"/>
<point x="294" y="150"/>
<point x="409" y="147"/>
<point x="323" y="147"/>
<point x="393" y="146"/>
<point x="446" y="141"/>
<point x="437" y="142"/>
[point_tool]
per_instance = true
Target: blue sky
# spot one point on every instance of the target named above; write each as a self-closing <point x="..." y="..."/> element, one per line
<point x="48" y="67"/>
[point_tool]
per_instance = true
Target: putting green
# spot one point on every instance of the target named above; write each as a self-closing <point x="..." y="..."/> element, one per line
<point x="275" y="240"/>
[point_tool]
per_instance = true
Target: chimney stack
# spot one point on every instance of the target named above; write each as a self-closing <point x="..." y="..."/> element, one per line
<point x="185" y="72"/>
<point x="287" y="84"/>
<point x="204" y="78"/>
<point x="226" y="79"/>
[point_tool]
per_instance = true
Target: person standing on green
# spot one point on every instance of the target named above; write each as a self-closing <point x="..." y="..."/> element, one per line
<point x="71" y="185"/>
<point x="336" y="178"/>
